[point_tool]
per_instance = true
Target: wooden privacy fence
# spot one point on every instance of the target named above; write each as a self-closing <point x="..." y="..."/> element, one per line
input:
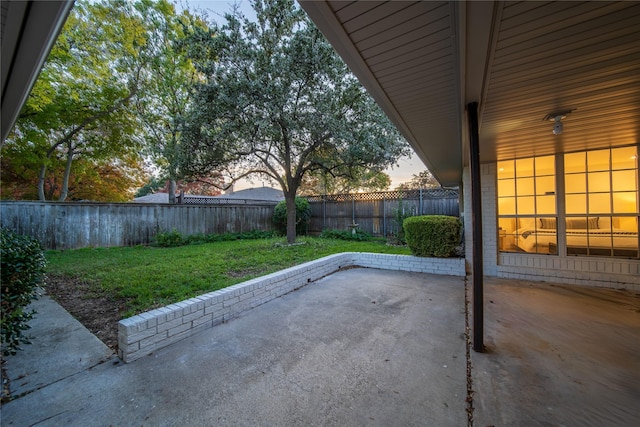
<point x="375" y="213"/>
<point x="78" y="225"/>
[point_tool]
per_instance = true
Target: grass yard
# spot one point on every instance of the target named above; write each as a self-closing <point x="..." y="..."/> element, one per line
<point x="147" y="277"/>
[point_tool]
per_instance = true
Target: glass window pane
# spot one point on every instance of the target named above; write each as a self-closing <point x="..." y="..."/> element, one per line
<point x="508" y="225"/>
<point x="546" y="185"/>
<point x="576" y="183"/>
<point x="506" y="169"/>
<point x="545" y="165"/>
<point x="598" y="160"/>
<point x="526" y="206"/>
<point x="506" y="187"/>
<point x="525" y="187"/>
<point x="546" y="242"/>
<point x="524" y="167"/>
<point x="625" y="202"/>
<point x="576" y="203"/>
<point x="624" y="180"/>
<point x="507" y="206"/>
<point x="600" y="203"/>
<point x="624" y="158"/>
<point x="546" y="205"/>
<point x="574" y="162"/>
<point x="599" y="182"/>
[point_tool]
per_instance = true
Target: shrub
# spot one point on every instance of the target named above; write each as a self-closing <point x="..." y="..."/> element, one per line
<point x="22" y="268"/>
<point x="303" y="216"/>
<point x="346" y="235"/>
<point x="432" y="235"/>
<point x="403" y="212"/>
<point x="169" y="239"/>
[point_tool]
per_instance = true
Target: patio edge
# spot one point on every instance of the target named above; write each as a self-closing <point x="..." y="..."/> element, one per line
<point x="146" y="332"/>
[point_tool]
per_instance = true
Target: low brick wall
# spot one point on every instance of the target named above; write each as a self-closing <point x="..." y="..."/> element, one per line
<point x="142" y="334"/>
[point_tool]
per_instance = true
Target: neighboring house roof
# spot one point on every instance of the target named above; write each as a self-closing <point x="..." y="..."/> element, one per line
<point x="258" y="193"/>
<point x="153" y="198"/>
<point x="424" y="62"/>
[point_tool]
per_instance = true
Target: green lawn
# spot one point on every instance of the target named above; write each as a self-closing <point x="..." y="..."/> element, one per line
<point x="150" y="277"/>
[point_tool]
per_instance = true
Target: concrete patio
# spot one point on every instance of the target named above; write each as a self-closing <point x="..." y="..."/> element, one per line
<point x="359" y="347"/>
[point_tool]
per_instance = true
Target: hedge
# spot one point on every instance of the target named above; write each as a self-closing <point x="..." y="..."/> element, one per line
<point x="432" y="235"/>
<point x="22" y="268"/>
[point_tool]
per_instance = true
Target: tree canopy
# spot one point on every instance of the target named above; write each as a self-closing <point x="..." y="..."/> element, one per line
<point x="424" y="179"/>
<point x="279" y="102"/>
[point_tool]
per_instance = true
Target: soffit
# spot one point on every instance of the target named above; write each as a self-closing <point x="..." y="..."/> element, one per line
<point x="405" y="54"/>
<point x="423" y="62"/>
<point x="561" y="56"/>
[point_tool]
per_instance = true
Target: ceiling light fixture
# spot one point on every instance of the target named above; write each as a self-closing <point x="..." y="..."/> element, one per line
<point x="557" y="118"/>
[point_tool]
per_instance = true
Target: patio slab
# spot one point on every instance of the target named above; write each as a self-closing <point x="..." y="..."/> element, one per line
<point x="558" y="355"/>
<point x="360" y="347"/>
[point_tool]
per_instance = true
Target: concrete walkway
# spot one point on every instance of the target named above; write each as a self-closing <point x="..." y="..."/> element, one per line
<point x="360" y="347"/>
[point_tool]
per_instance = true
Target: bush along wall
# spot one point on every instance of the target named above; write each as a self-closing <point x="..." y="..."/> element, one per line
<point x="22" y="268"/>
<point x="432" y="235"/>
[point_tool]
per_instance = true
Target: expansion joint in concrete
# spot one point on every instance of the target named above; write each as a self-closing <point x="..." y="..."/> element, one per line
<point x="468" y="346"/>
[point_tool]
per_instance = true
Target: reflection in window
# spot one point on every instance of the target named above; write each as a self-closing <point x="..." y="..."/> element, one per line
<point x="601" y="199"/>
<point x="527" y="205"/>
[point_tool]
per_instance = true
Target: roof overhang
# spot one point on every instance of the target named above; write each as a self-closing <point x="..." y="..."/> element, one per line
<point x="424" y="62"/>
<point x="29" y="30"/>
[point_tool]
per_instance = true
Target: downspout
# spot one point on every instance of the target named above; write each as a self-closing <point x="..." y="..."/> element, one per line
<point x="476" y="221"/>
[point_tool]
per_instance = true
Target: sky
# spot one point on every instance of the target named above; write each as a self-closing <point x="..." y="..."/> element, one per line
<point x="216" y="9"/>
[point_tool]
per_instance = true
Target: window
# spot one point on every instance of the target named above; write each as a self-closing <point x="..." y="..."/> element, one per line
<point x="601" y="202"/>
<point x="527" y="205"/>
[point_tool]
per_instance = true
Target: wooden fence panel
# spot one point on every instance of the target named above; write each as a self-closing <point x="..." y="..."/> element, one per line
<point x="375" y="213"/>
<point x="78" y="225"/>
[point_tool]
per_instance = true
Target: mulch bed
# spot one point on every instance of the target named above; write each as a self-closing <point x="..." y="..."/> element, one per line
<point x="98" y="313"/>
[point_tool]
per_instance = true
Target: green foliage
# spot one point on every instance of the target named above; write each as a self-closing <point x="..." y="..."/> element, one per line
<point x="278" y="101"/>
<point x="146" y="277"/>
<point x="170" y="239"/>
<point x="303" y="216"/>
<point x="22" y="268"/>
<point x="359" y="235"/>
<point x="433" y="235"/>
<point x="403" y="212"/>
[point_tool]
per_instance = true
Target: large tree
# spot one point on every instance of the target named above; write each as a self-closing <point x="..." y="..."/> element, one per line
<point x="278" y="101"/>
<point x="169" y="78"/>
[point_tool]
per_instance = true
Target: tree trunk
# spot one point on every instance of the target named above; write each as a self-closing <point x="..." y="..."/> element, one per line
<point x="290" y="199"/>
<point x="172" y="191"/>
<point x="41" y="176"/>
<point x="67" y="172"/>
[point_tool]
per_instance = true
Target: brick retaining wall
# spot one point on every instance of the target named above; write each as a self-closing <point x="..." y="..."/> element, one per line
<point x="142" y="334"/>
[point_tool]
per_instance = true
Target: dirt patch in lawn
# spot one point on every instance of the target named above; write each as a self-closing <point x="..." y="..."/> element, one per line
<point x="98" y="313"/>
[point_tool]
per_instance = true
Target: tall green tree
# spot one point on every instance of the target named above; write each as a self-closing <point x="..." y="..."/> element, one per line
<point x="169" y="80"/>
<point x="278" y="101"/>
<point x="80" y="104"/>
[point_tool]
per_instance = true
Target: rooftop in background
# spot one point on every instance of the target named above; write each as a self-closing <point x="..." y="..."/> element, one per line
<point x="258" y="193"/>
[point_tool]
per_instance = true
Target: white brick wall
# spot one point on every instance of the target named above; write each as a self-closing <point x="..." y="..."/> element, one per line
<point x="141" y="334"/>
<point x="589" y="271"/>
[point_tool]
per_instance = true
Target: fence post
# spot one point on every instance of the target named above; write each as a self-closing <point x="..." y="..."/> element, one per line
<point x="421" y="205"/>
<point x="384" y="216"/>
<point x="324" y="212"/>
<point x="353" y="209"/>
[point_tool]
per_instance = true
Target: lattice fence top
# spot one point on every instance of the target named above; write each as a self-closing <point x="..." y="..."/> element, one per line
<point x="432" y="193"/>
<point x="191" y="200"/>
